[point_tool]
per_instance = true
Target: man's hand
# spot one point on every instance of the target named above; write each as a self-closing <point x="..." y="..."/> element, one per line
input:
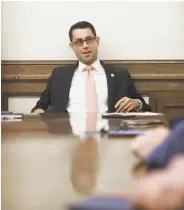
<point x="143" y="145"/>
<point x="163" y="189"/>
<point x="38" y="111"/>
<point x="126" y="105"/>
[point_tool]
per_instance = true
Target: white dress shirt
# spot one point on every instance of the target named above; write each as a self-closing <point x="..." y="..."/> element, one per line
<point x="77" y="101"/>
<point x="78" y="125"/>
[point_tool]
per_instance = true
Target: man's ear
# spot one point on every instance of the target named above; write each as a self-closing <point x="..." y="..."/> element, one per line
<point x="98" y="39"/>
<point x="71" y="45"/>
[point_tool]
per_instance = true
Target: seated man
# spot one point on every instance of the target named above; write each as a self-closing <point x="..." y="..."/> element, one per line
<point x="89" y="85"/>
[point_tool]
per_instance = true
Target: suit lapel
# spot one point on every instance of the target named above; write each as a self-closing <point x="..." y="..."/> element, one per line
<point x="68" y="80"/>
<point x="110" y="85"/>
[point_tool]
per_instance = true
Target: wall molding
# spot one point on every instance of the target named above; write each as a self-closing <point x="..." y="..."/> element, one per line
<point x="139" y="69"/>
<point x="160" y="80"/>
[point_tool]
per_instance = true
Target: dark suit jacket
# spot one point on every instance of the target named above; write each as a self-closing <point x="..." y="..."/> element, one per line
<point x="57" y="91"/>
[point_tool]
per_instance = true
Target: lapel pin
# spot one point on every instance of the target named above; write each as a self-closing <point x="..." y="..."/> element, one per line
<point x="112" y="75"/>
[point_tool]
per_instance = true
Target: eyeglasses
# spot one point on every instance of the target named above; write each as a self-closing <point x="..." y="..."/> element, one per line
<point x="80" y="42"/>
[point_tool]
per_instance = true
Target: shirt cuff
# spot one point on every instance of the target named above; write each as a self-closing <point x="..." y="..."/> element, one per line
<point x="140" y="105"/>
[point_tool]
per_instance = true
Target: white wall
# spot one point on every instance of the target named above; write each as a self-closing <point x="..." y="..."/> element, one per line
<point x="22" y="104"/>
<point x="128" y="30"/>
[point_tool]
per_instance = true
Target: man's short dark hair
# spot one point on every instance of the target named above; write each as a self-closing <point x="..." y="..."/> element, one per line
<point x="81" y="25"/>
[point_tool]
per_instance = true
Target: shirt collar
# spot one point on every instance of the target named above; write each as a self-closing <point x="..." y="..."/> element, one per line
<point x="96" y="65"/>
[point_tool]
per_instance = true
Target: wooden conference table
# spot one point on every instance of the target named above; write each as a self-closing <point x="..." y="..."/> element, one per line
<point x="47" y="163"/>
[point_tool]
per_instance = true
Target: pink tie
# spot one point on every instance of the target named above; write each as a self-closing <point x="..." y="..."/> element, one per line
<point x="91" y="95"/>
<point x="91" y="100"/>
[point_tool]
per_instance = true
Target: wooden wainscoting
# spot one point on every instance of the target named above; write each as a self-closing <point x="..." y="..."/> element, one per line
<point x="161" y="80"/>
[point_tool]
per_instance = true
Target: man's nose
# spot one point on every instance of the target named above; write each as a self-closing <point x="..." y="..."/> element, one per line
<point x="85" y="44"/>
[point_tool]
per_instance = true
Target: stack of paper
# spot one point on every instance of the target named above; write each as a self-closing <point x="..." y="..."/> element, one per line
<point x="11" y="117"/>
<point x="130" y="114"/>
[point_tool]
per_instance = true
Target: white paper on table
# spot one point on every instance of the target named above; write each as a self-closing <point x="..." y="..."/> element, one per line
<point x="131" y="114"/>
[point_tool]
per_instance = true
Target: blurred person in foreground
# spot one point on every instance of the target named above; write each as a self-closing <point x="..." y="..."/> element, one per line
<point x="158" y="146"/>
<point x="160" y="189"/>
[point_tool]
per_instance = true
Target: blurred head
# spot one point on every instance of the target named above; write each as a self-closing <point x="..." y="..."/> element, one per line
<point x="84" y="42"/>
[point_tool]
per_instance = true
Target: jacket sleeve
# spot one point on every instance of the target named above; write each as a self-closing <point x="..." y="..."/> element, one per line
<point x="45" y="97"/>
<point x="133" y="93"/>
<point x="172" y="145"/>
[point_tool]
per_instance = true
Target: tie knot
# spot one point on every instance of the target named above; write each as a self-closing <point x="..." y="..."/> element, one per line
<point x="89" y="68"/>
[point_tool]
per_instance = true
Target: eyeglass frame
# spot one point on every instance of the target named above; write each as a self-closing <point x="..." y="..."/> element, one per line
<point x="93" y="38"/>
